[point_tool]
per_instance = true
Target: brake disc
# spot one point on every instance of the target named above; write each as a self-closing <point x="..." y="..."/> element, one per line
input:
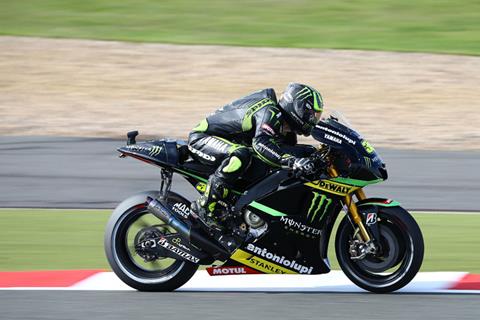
<point x="389" y="257"/>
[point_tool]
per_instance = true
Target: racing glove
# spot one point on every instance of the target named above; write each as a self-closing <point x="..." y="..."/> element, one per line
<point x="304" y="165"/>
<point x="300" y="165"/>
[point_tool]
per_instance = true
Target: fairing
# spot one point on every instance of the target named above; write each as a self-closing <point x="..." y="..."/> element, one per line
<point x="158" y="152"/>
<point x="355" y="158"/>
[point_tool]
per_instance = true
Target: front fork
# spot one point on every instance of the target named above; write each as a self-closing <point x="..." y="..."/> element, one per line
<point x="355" y="215"/>
<point x="352" y="208"/>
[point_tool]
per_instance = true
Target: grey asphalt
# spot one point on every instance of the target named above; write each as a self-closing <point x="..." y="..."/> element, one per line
<point x="62" y="305"/>
<point x="87" y="173"/>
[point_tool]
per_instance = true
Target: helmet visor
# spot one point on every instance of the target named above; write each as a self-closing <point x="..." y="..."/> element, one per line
<point x="312" y="117"/>
<point x="311" y="121"/>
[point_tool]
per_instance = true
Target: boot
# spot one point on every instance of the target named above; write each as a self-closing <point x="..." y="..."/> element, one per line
<point x="211" y="205"/>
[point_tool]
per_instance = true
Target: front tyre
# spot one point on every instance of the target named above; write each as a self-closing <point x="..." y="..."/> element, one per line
<point x="399" y="259"/>
<point x="130" y="224"/>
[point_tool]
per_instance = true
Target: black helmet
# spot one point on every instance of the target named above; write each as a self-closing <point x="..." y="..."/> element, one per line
<point x="303" y="106"/>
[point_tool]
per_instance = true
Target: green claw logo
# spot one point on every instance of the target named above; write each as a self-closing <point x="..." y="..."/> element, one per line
<point x="304" y="93"/>
<point x="368" y="161"/>
<point x="155" y="151"/>
<point x="315" y="209"/>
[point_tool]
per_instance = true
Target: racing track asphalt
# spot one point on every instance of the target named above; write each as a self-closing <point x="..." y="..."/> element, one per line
<point x="81" y="172"/>
<point x="76" y="305"/>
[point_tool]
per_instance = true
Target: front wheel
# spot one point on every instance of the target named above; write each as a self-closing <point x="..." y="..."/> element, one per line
<point x="399" y="259"/>
<point x="130" y="224"/>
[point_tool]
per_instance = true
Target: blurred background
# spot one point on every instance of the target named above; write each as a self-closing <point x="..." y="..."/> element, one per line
<point x="75" y="76"/>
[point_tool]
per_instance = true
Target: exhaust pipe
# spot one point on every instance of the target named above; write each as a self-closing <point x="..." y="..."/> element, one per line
<point x="163" y="213"/>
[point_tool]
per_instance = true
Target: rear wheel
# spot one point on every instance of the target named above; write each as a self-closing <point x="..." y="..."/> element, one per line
<point x="138" y="269"/>
<point x="399" y="259"/>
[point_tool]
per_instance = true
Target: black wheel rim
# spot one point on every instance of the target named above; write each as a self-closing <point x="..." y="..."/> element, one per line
<point x="125" y="235"/>
<point x="403" y="256"/>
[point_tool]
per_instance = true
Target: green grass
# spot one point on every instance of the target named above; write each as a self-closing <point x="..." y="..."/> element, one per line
<point x="422" y="25"/>
<point x="36" y="239"/>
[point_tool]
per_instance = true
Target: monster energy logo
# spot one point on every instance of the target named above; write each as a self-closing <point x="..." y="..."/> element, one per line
<point x="155" y="151"/>
<point x="304" y="93"/>
<point x="315" y="209"/>
<point x="368" y="162"/>
<point x="317" y="98"/>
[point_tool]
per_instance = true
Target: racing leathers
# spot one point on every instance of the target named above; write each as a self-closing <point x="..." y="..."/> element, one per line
<point x="224" y="137"/>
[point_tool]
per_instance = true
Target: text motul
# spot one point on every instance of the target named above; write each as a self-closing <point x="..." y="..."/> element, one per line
<point x="231" y="270"/>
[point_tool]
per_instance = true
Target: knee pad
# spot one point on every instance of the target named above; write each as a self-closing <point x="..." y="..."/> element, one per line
<point x="243" y="157"/>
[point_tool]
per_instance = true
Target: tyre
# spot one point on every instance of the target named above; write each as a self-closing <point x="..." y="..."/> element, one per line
<point x="399" y="259"/>
<point x="130" y="224"/>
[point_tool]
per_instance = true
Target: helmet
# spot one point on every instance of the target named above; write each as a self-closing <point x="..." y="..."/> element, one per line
<point x="303" y="106"/>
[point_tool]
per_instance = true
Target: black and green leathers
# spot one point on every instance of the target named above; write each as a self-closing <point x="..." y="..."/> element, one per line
<point x="227" y="138"/>
<point x="254" y="120"/>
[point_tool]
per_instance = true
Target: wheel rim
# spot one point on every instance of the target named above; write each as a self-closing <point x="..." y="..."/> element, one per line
<point x="124" y="236"/>
<point x="371" y="271"/>
<point x="390" y="256"/>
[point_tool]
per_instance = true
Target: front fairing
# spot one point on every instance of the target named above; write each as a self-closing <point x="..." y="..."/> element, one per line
<point x="354" y="157"/>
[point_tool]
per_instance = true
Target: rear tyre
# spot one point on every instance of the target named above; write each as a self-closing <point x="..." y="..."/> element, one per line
<point x="124" y="231"/>
<point x="399" y="261"/>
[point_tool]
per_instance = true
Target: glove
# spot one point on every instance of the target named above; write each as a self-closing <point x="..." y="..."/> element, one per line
<point x="300" y="165"/>
<point x="303" y="165"/>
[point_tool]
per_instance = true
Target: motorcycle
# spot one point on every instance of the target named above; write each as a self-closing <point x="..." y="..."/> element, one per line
<point x="280" y="221"/>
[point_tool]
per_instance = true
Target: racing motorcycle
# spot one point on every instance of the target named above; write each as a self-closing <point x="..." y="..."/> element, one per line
<point x="280" y="221"/>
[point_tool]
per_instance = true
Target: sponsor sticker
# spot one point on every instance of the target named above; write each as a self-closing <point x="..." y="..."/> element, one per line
<point x="224" y="271"/>
<point x="318" y="208"/>
<point x="332" y="138"/>
<point x="368" y="161"/>
<point x="178" y="243"/>
<point x="216" y="144"/>
<point x="182" y="209"/>
<point x="332" y="187"/>
<point x="272" y="263"/>
<point x="259" y="105"/>
<point x="338" y="134"/>
<point x="134" y="147"/>
<point x="371" y="218"/>
<point x="268" y="129"/>
<point x="202" y="187"/>
<point x="201" y="154"/>
<point x="367" y="146"/>
<point x="258" y="263"/>
<point x="299" y="228"/>
<point x="152" y="151"/>
<point x="179" y="252"/>
<point x="155" y="151"/>
<point x="266" y="148"/>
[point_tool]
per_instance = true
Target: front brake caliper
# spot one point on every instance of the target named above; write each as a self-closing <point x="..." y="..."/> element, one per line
<point x="359" y="250"/>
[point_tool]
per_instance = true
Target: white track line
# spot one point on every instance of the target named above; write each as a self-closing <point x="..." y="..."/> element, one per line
<point x="335" y="281"/>
<point x="445" y="212"/>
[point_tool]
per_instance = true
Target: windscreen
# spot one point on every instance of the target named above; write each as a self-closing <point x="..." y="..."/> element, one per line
<point x="337" y="116"/>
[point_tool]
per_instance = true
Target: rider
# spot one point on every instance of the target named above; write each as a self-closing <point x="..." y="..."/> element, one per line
<point x="257" y="120"/>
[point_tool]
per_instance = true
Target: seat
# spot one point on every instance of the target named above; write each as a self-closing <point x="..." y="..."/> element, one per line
<point x="198" y="168"/>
